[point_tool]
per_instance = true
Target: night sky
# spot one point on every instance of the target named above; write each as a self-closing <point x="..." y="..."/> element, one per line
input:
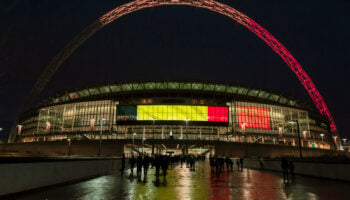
<point x="176" y="43"/>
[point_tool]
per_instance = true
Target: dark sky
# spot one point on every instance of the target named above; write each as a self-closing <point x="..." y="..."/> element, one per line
<point x="176" y="43"/>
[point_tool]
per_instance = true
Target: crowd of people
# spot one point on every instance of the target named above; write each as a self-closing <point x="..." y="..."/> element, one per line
<point x="217" y="164"/>
<point x="159" y="162"/>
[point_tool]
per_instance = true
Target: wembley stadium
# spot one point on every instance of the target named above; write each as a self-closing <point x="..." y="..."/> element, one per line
<point x="176" y="111"/>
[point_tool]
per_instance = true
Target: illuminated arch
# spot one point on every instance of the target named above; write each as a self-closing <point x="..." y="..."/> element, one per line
<point x="212" y="5"/>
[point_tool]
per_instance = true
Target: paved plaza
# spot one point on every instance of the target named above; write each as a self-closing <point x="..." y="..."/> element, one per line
<point x="181" y="183"/>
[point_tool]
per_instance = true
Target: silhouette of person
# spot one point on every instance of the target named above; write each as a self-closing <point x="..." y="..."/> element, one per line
<point x="291" y="168"/>
<point x="123" y="164"/>
<point x="284" y="166"/>
<point x="146" y="161"/>
<point x="132" y="165"/>
<point x="241" y="163"/>
<point x="139" y="166"/>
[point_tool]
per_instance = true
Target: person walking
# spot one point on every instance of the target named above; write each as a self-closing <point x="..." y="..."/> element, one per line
<point x="231" y="164"/>
<point x="227" y="161"/>
<point x="123" y="164"/>
<point x="262" y="163"/>
<point x="157" y="164"/>
<point x="139" y="166"/>
<point x="237" y="163"/>
<point x="212" y="163"/>
<point x="182" y="159"/>
<point x="291" y="168"/>
<point x="241" y="163"/>
<point x="284" y="166"/>
<point x="146" y="161"/>
<point x="165" y="165"/>
<point x="132" y="165"/>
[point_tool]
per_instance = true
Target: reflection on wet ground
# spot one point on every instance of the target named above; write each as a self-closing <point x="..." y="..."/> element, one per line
<point x="181" y="183"/>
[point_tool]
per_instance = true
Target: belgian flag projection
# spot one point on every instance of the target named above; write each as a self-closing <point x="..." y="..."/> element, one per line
<point x="173" y="113"/>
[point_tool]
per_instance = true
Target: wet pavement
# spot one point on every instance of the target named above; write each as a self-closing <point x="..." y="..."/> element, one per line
<point x="181" y="183"/>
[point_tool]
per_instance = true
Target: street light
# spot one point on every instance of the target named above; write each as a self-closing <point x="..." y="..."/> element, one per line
<point x="299" y="141"/>
<point x="132" y="148"/>
<point x="69" y="143"/>
<point x="322" y="135"/>
<point x="143" y="143"/>
<point x="100" y="144"/>
<point x="186" y="120"/>
<point x="154" y="121"/>
<point x="344" y="140"/>
<point x="245" y="137"/>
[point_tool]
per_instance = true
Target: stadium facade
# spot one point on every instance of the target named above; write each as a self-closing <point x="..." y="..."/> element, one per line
<point x="176" y="110"/>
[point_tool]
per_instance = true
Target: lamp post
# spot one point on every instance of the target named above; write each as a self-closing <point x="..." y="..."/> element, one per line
<point x="100" y="144"/>
<point x="245" y="137"/>
<point x="322" y="135"/>
<point x="186" y="120"/>
<point x="143" y="143"/>
<point x="69" y="143"/>
<point x="133" y="138"/>
<point x="154" y="121"/>
<point x="299" y="141"/>
<point x="344" y="140"/>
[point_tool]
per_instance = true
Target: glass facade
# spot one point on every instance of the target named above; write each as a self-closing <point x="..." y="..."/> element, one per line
<point x="244" y="121"/>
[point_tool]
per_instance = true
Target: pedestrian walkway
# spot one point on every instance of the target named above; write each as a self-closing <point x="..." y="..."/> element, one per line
<point x="181" y="183"/>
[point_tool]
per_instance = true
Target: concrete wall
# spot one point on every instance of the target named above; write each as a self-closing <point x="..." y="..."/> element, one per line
<point x="267" y="150"/>
<point x="61" y="148"/>
<point x="115" y="148"/>
<point x="19" y="177"/>
<point x="336" y="171"/>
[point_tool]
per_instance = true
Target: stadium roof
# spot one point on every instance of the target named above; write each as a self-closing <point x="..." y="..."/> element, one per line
<point x="133" y="87"/>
